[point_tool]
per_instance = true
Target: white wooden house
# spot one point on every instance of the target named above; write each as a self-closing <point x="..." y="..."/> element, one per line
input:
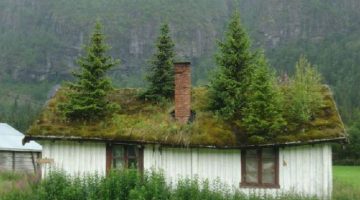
<point x="13" y="155"/>
<point x="146" y="136"/>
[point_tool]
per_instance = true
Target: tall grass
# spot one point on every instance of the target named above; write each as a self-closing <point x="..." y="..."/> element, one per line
<point x="10" y="180"/>
<point x="128" y="185"/>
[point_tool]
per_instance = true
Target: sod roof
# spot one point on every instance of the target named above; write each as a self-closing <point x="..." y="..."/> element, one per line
<point x="139" y="121"/>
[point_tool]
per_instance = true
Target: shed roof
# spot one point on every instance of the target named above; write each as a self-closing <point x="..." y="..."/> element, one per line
<point x="11" y="140"/>
<point x="140" y="121"/>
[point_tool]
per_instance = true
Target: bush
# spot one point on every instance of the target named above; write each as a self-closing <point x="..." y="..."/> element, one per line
<point x="304" y="96"/>
<point x="129" y="184"/>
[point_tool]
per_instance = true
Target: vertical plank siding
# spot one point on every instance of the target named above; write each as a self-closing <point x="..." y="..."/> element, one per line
<point x="75" y="158"/>
<point x="305" y="170"/>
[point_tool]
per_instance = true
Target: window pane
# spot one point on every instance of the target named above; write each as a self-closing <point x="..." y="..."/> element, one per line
<point x="118" y="156"/>
<point x="118" y="151"/>
<point x="118" y="163"/>
<point x="131" y="151"/>
<point x="251" y="167"/>
<point x="132" y="163"/>
<point x="268" y="157"/>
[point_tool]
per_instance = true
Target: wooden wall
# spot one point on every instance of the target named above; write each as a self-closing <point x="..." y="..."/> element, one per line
<point x="74" y="157"/>
<point x="19" y="161"/>
<point x="302" y="169"/>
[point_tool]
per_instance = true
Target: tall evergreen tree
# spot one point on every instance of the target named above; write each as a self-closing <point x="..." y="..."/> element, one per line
<point x="228" y="84"/>
<point x="262" y="113"/>
<point x="86" y="99"/>
<point x="161" y="71"/>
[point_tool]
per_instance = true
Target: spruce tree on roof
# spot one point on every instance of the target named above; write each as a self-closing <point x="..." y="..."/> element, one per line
<point x="262" y="112"/>
<point x="161" y="71"/>
<point x="228" y="84"/>
<point x="87" y="97"/>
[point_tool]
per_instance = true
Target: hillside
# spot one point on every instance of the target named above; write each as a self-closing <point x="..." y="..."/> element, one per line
<point x="39" y="41"/>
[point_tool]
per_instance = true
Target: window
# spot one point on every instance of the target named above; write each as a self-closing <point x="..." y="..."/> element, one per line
<point x="260" y="168"/>
<point x="124" y="156"/>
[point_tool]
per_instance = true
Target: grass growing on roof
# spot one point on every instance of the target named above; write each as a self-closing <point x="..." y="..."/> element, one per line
<point x="144" y="121"/>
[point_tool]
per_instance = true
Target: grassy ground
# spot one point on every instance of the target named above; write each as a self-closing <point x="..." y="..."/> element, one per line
<point x="346" y="182"/>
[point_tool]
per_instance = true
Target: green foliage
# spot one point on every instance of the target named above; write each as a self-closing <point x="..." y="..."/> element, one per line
<point x="228" y="83"/>
<point x="243" y="89"/>
<point x="40" y="39"/>
<point x="152" y="186"/>
<point x="129" y="185"/>
<point x="346" y="182"/>
<point x="87" y="97"/>
<point x="304" y="97"/>
<point x="262" y="112"/>
<point x="349" y="154"/>
<point x="118" y="185"/>
<point x="161" y="71"/>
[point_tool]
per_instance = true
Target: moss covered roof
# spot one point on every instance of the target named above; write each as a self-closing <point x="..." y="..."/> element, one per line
<point x="140" y="121"/>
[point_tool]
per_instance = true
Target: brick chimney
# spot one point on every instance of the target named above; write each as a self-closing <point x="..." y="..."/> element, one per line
<point x="182" y="91"/>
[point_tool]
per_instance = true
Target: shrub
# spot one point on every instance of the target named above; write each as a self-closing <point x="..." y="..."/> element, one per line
<point x="152" y="186"/>
<point x="129" y="184"/>
<point x="304" y="96"/>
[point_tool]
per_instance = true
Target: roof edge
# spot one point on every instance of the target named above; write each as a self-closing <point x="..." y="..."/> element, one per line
<point x="341" y="140"/>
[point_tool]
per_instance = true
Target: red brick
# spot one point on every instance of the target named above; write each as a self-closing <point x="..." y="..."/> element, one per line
<point x="182" y="92"/>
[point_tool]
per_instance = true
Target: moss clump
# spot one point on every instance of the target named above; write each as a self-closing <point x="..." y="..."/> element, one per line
<point x="143" y="121"/>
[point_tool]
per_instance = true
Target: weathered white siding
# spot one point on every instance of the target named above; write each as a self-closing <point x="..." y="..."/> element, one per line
<point x="208" y="164"/>
<point x="302" y="169"/>
<point x="75" y="157"/>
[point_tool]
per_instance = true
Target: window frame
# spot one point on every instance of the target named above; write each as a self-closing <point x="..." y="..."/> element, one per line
<point x="259" y="156"/>
<point x="110" y="156"/>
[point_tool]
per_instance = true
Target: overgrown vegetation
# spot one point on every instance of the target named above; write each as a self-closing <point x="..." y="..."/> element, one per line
<point x="16" y="181"/>
<point x="86" y="99"/>
<point x="262" y="115"/>
<point x="303" y="93"/>
<point x="161" y="71"/>
<point x="39" y="41"/>
<point x="228" y="84"/>
<point x="245" y="92"/>
<point x="129" y="185"/>
<point x="140" y="120"/>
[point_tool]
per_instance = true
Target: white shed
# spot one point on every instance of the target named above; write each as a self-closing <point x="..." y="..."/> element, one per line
<point x="13" y="154"/>
<point x="186" y="140"/>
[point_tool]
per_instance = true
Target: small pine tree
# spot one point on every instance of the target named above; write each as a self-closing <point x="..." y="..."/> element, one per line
<point x="304" y="95"/>
<point x="262" y="113"/>
<point x="228" y="84"/>
<point x="86" y="99"/>
<point x="161" y="71"/>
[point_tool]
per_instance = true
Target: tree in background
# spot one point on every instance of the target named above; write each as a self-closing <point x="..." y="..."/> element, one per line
<point x="262" y="112"/>
<point x="304" y="96"/>
<point x="86" y="99"/>
<point x="228" y="83"/>
<point x="161" y="71"/>
<point x="350" y="154"/>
